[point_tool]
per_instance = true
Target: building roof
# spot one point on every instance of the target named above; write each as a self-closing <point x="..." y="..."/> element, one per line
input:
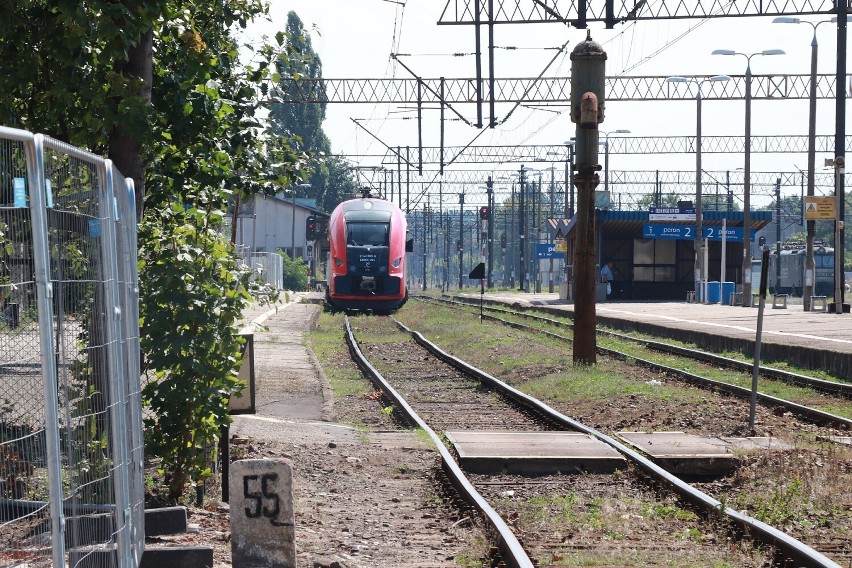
<point x="614" y="223"/>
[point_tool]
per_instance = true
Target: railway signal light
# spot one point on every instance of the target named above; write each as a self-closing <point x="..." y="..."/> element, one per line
<point x="458" y="244"/>
<point x="483" y="212"/>
<point x="310" y="228"/>
<point x="503" y="241"/>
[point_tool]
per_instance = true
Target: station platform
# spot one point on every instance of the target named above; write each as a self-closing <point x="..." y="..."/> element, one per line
<point x="812" y="340"/>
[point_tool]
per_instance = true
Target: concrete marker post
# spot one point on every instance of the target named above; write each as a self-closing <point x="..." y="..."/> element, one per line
<point x="263" y="533"/>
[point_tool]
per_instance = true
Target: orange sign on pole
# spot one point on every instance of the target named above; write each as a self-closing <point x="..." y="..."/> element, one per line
<point x="818" y="208"/>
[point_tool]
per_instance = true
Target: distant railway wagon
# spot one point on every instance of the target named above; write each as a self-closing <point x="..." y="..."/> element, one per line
<point x="793" y="271"/>
<point x="367" y="246"/>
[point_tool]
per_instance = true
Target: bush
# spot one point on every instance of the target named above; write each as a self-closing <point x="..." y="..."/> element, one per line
<point x="295" y="273"/>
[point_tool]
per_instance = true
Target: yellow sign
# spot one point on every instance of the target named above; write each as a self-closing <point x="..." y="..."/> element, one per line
<point x="817" y="208"/>
<point x="561" y="246"/>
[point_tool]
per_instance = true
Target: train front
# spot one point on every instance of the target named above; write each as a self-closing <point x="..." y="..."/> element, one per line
<point x="367" y="265"/>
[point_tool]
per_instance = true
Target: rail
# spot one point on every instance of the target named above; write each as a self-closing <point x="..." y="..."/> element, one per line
<point x="799" y="552"/>
<point x="513" y="553"/>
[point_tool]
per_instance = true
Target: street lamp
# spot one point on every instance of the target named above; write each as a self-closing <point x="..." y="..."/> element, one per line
<point x="810" y="266"/>
<point x="606" y="154"/>
<point x="746" y="290"/>
<point x="700" y="276"/>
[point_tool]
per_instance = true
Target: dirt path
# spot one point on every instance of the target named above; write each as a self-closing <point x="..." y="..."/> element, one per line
<point x="363" y="499"/>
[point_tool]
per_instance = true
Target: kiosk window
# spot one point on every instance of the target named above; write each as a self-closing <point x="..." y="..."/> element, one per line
<point x="654" y="260"/>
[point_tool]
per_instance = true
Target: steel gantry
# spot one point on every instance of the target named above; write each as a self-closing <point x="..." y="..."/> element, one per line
<point x="630" y="188"/>
<point x="578" y="13"/>
<point x="542" y="91"/>
<point x="526" y="153"/>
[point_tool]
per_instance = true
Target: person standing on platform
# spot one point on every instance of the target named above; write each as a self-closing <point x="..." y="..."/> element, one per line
<point x="606" y="278"/>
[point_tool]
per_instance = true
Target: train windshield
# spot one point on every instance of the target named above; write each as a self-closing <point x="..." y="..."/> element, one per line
<point x="367" y="234"/>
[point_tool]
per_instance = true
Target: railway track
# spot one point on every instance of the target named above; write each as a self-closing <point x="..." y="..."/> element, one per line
<point x="820" y="385"/>
<point x="831" y="388"/>
<point x="638" y="511"/>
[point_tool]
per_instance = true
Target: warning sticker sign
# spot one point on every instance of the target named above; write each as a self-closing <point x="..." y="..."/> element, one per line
<point x="817" y="208"/>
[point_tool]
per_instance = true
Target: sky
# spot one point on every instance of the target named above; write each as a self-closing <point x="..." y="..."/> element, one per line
<point x="354" y="39"/>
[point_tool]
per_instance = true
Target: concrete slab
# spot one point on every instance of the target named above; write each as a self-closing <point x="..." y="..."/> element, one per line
<point x="685" y="454"/>
<point x="533" y="453"/>
<point x="845" y="440"/>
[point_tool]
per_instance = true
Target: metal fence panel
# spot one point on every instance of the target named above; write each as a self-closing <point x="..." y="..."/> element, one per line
<point x="77" y="456"/>
<point x="270" y="265"/>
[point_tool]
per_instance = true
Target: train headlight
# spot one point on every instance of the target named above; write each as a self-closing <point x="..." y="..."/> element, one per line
<point x="397" y="262"/>
<point x="338" y="262"/>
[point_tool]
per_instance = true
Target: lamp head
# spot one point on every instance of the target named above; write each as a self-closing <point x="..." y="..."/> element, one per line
<point x="786" y="20"/>
<point x="772" y="52"/>
<point x="723" y="52"/>
<point x="621" y="131"/>
<point x="677" y="79"/>
<point x="719" y="78"/>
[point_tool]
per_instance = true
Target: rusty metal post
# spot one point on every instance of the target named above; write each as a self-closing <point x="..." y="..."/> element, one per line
<point x="588" y="77"/>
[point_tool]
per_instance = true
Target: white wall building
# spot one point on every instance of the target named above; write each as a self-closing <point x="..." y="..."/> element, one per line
<point x="269" y="223"/>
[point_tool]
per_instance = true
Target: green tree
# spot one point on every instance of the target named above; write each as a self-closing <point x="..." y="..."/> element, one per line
<point x="302" y="121"/>
<point x="206" y="132"/>
<point x="80" y="74"/>
<point x="331" y="181"/>
<point x="646" y="201"/>
<point x="339" y="183"/>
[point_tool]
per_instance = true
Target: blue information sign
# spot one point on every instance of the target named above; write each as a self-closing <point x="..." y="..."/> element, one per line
<point x="679" y="232"/>
<point x="687" y="232"/>
<point x="733" y="234"/>
<point x="546" y="250"/>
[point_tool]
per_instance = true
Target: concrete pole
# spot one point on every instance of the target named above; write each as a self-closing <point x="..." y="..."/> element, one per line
<point x="810" y="265"/>
<point x="840" y="156"/>
<point x="700" y="291"/>
<point x="522" y="213"/>
<point x="490" y="221"/>
<point x="461" y="240"/>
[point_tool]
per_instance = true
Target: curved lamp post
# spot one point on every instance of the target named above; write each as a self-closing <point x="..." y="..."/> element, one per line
<point x="746" y="290"/>
<point x="700" y="269"/>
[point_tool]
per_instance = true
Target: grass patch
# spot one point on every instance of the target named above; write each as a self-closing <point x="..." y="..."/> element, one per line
<point x="580" y="383"/>
<point x="326" y="341"/>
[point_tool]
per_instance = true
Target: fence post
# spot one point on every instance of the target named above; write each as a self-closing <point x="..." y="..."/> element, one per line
<point x="108" y="212"/>
<point x="44" y="298"/>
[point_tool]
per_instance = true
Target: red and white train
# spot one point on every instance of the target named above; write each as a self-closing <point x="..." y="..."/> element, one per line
<point x="366" y="266"/>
